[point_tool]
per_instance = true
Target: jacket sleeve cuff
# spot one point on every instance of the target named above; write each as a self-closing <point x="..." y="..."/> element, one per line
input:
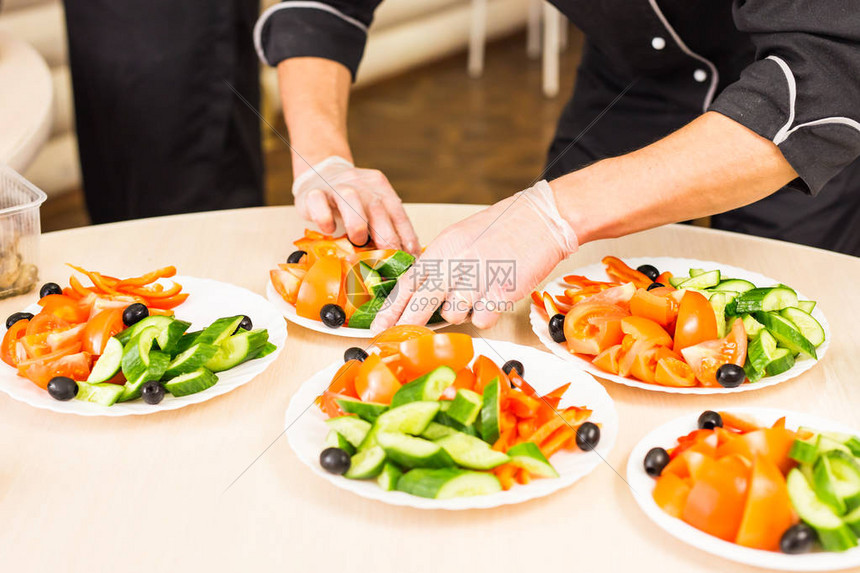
<point x="763" y="100"/>
<point x="309" y="29"/>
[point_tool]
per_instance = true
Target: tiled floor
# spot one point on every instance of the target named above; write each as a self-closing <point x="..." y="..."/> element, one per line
<point x="437" y="134"/>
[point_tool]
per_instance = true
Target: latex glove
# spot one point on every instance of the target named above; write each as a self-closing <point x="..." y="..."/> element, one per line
<point x="364" y="199"/>
<point x="510" y="246"/>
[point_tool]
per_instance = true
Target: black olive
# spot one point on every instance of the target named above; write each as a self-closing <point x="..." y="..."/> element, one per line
<point x="16" y="316"/>
<point x="62" y="388"/>
<point x="367" y="242"/>
<point x="50" y="288"/>
<point x="797" y="539"/>
<point x="652" y="286"/>
<point x="649" y="271"/>
<point x="335" y="460"/>
<point x="295" y="257"/>
<point x="730" y="375"/>
<point x="354" y="353"/>
<point x="510" y="365"/>
<point x="556" y="328"/>
<point x="245" y="324"/>
<point x="332" y="315"/>
<point x="152" y="392"/>
<point x="134" y="313"/>
<point x="655" y="460"/>
<point x="710" y="420"/>
<point x="588" y="436"/>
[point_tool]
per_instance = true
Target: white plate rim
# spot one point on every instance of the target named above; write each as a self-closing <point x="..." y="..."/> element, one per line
<point x="602" y="403"/>
<point x="641" y="486"/>
<point x="596" y="272"/>
<point x="289" y="312"/>
<point x="22" y="390"/>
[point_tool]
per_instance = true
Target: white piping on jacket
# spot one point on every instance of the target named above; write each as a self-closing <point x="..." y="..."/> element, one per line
<point x="715" y="76"/>
<point x="786" y="129"/>
<point x="261" y="21"/>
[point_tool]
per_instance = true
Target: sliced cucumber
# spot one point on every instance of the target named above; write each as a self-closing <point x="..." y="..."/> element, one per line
<point x="704" y="280"/>
<point x="335" y="440"/>
<point x="369" y="411"/>
<point x="443" y="419"/>
<point x="447" y="483"/>
<point x="366" y="464"/>
<point x="786" y="333"/>
<point x="491" y="412"/>
<point x="470" y="452"/>
<point x="852" y="520"/>
<point x="783" y="361"/>
<point x="427" y="387"/>
<point x="833" y="534"/>
<point x="765" y="299"/>
<point x="719" y="301"/>
<point x="466" y="406"/>
<point x="102" y="394"/>
<point x="435" y="430"/>
<point x="677" y="281"/>
<point x="412" y="418"/>
<point x="108" y="364"/>
<point x="411" y="452"/>
<point x="395" y="265"/>
<point x="190" y="360"/>
<point x="806" y="305"/>
<point x="364" y="315"/>
<point x="192" y="382"/>
<point x="388" y="477"/>
<point x="734" y="285"/>
<point x="220" y="330"/>
<point x="760" y="351"/>
<point x="751" y="326"/>
<point x="136" y="354"/>
<point x="353" y="428"/>
<point x="696" y="272"/>
<point x="188" y="340"/>
<point x="528" y="456"/>
<point x="808" y="326"/>
<point x="236" y="349"/>
<point x="268" y="348"/>
<point x="157" y="321"/>
<point x="804" y="451"/>
<point x="158" y="362"/>
<point x="836" y="480"/>
<point x="170" y="336"/>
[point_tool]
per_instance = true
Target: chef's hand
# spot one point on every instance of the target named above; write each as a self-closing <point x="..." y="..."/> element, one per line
<point x="364" y="199"/>
<point x="513" y="245"/>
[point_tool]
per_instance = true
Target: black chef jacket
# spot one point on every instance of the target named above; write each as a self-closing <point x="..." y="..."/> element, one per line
<point x="789" y="70"/>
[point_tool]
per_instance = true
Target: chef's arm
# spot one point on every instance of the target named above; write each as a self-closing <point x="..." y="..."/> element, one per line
<point x="712" y="165"/>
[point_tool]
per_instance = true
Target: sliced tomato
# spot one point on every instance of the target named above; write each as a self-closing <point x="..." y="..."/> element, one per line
<point x="696" y="321"/>
<point x="9" y="348"/>
<point x="772" y="444"/>
<point x="64" y="307"/>
<point x="45" y="322"/>
<point x="327" y="402"/>
<point x="343" y="382"/>
<point x="619" y="295"/>
<point x="768" y="511"/>
<point x="674" y="372"/>
<point x="618" y="270"/>
<point x="591" y="328"/>
<point x="670" y="493"/>
<point x="286" y="284"/>
<point x="717" y="499"/>
<point x="100" y="329"/>
<point x="608" y="359"/>
<point x="658" y="307"/>
<point x="320" y="287"/>
<point x="375" y="382"/>
<point x="63" y="338"/>
<point x="645" y="329"/>
<point x="41" y="370"/>
<point x="706" y="357"/>
<point x="388" y="341"/>
<point x="423" y="354"/>
<point x="486" y="371"/>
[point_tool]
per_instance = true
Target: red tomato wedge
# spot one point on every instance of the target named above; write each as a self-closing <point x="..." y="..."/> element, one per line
<point x="9" y="348"/>
<point x="656" y="306"/>
<point x="674" y="372"/>
<point x="768" y="511"/>
<point x="696" y="321"/>
<point x="608" y="359"/>
<point x="320" y="287"/>
<point x="645" y="329"/>
<point x="287" y="284"/>
<point x="375" y="382"/>
<point x="670" y="493"/>
<point x="389" y="340"/>
<point x="41" y="370"/>
<point x="772" y="444"/>
<point x="423" y="354"/>
<point x="64" y="307"/>
<point x="486" y="371"/>
<point x="100" y="329"/>
<point x="706" y="357"/>
<point x="717" y="499"/>
<point x="591" y="328"/>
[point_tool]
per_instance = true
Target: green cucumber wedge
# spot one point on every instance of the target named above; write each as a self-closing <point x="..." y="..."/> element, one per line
<point x="443" y="419"/>
<point x="220" y="330"/>
<point x="156" y="368"/>
<point x="369" y="411"/>
<point x="765" y="299"/>
<point x="719" y="301"/>
<point x="388" y="477"/>
<point x="466" y="406"/>
<point x="190" y="360"/>
<point x="785" y="333"/>
<point x="809" y="327"/>
<point x="188" y="340"/>
<point x="353" y="428"/>
<point x="804" y="451"/>
<point x="395" y="265"/>
<point x="268" y="348"/>
<point x="761" y="350"/>
<point x="783" y="361"/>
<point x="833" y="534"/>
<point x="364" y="315"/>
<point x="806" y="305"/>
<point x="528" y="456"/>
<point x="412" y="452"/>
<point x="448" y="483"/>
<point x="192" y="382"/>
<point x="734" y="285"/>
<point x="706" y="279"/>
<point x="334" y="440"/>
<point x="158" y="321"/>
<point x="102" y="394"/>
<point x="491" y="412"/>
<point x="435" y="430"/>
<point x="751" y="326"/>
<point x="852" y="520"/>
<point x="108" y="364"/>
<point x="136" y="354"/>
<point x="427" y="387"/>
<point x="366" y="464"/>
<point x="470" y="452"/>
<point x="236" y="349"/>
<point x="412" y="418"/>
<point x="170" y="335"/>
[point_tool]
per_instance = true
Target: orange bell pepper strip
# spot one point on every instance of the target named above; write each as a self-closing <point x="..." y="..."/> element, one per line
<point x="161" y="312"/>
<point x="101" y="283"/>
<point x="171" y="302"/>
<point x="148" y="278"/>
<point x="557" y="440"/>
<point x="618" y="269"/>
<point x="523" y="406"/>
<point x="525" y="429"/>
<point x="523" y="477"/>
<point x="663" y="279"/>
<point x="505" y="473"/>
<point x="569" y="417"/>
<point x="738" y="423"/>
<point x="581" y="281"/>
<point x="80" y="289"/>
<point x="558" y="392"/>
<point x="156" y="291"/>
<point x="537" y="299"/>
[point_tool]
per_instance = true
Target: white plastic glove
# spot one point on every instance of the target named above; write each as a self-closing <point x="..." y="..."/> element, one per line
<point x="364" y="198"/>
<point x="520" y="239"/>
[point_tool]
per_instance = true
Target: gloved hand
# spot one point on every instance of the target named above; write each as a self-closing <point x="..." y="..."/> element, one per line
<point x="365" y="200"/>
<point x="509" y="247"/>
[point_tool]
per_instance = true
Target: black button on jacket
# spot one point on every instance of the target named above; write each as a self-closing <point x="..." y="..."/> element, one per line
<point x="788" y="70"/>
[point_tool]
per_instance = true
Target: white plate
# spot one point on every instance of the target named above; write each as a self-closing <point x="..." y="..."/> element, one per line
<point x="208" y="300"/>
<point x="289" y="312"/>
<point x="676" y="267"/>
<point x="642" y="486"/>
<point x="306" y="430"/>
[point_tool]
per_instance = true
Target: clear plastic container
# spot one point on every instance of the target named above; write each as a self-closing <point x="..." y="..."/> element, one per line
<point x="20" y="228"/>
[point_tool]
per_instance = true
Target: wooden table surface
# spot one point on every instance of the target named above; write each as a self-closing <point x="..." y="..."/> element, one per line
<point x="149" y="493"/>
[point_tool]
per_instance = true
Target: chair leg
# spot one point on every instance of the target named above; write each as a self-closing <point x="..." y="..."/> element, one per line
<point x="551" y="29"/>
<point x="533" y="29"/>
<point x="477" y="38"/>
